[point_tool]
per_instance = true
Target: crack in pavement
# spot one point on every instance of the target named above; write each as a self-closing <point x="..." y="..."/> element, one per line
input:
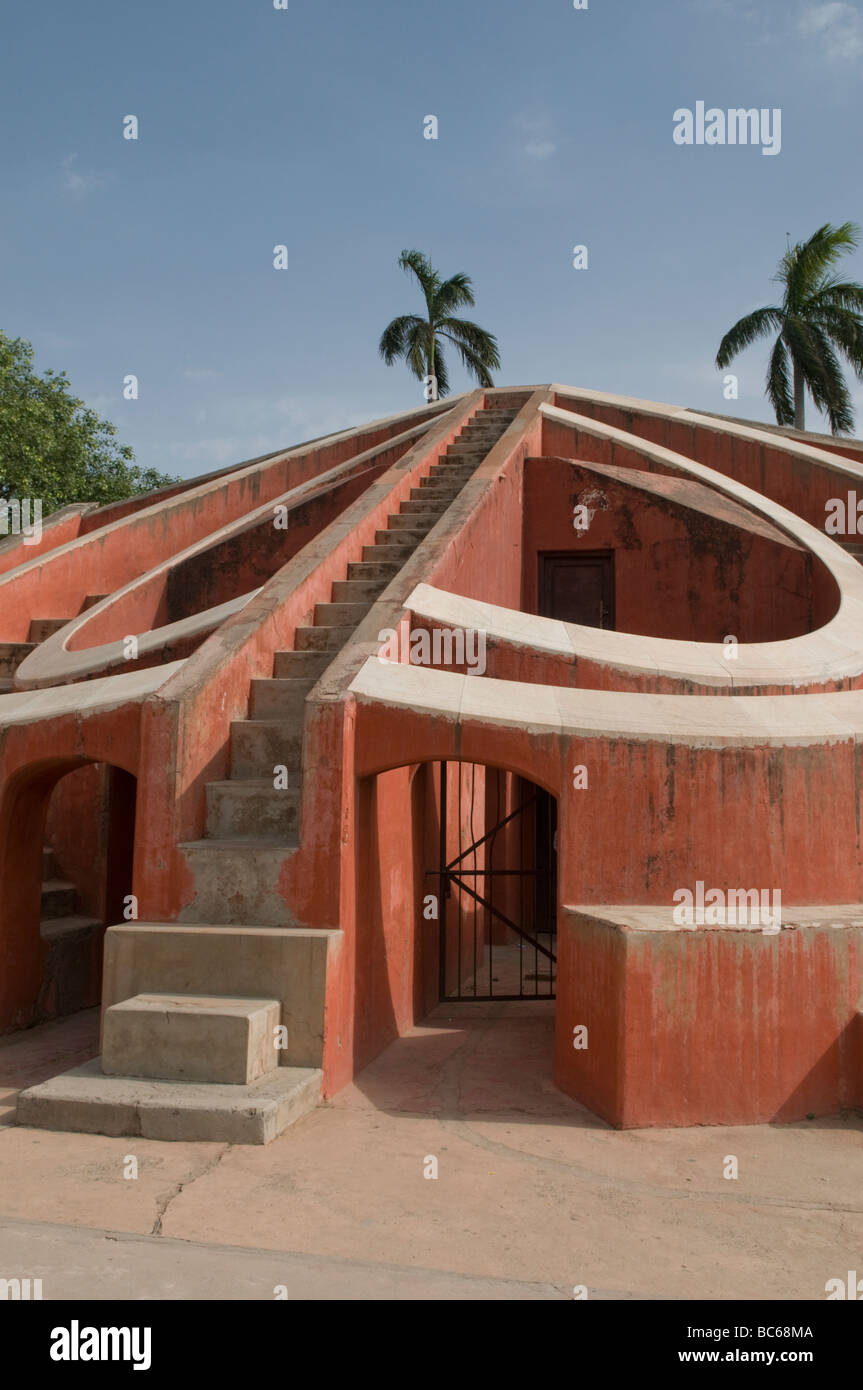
<point x="164" y="1203"/>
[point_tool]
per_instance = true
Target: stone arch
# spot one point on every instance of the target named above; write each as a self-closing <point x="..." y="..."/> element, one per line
<point x="50" y="941"/>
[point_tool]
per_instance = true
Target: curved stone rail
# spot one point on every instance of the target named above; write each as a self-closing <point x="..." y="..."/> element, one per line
<point x="75" y="653"/>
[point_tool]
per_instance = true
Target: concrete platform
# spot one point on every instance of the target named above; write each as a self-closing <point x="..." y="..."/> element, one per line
<point x="86" y="1101"/>
<point x="191" y="1038"/>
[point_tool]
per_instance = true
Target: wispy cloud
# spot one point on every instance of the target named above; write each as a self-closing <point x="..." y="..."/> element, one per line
<point x="536" y="139"/>
<point x="76" y="182"/>
<point x="837" y="26"/>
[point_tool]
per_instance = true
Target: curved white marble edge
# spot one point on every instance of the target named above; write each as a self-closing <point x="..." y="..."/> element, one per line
<point x="91" y="697"/>
<point x="53" y="661"/>
<point x="697" y="721"/>
<point x="718" y="424"/>
<point x="833" y="652"/>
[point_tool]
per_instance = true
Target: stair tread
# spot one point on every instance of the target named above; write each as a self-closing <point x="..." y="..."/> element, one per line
<point x="242" y="842"/>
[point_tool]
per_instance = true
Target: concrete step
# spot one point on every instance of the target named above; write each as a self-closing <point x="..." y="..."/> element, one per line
<point x="259" y="745"/>
<point x="401" y="539"/>
<point x="296" y="665"/>
<point x="67" y="929"/>
<point x="236" y="880"/>
<point x="252" y="807"/>
<point x="449" y="468"/>
<point x="358" y="590"/>
<point x="424" y="504"/>
<point x="59" y="898"/>
<point x="322" y="639"/>
<point x="280" y="698"/>
<point x="465" y="451"/>
<point x="191" y="1037"/>
<point x="384" y="554"/>
<point x="422" y="522"/>
<point x="86" y="1101"/>
<point x="40" y="628"/>
<point x="340" y="614"/>
<point x="12" y="654"/>
<point x="373" y="569"/>
<point x="443" y="485"/>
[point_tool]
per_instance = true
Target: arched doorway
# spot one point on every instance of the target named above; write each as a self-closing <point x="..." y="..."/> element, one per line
<point x="68" y="842"/>
<point x="497" y="875"/>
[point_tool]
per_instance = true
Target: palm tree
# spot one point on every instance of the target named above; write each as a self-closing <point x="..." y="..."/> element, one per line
<point x="419" y="341"/>
<point x="817" y="321"/>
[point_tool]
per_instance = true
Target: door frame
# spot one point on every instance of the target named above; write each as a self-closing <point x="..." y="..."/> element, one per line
<point x="577" y="557"/>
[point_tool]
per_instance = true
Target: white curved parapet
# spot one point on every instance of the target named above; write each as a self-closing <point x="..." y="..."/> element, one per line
<point x="698" y="721"/>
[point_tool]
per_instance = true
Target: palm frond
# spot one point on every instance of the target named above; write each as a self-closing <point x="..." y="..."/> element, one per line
<point x="747" y="330"/>
<point x="395" y="337"/>
<point x="420" y="266"/>
<point x="779" y="385"/>
<point x="452" y="294"/>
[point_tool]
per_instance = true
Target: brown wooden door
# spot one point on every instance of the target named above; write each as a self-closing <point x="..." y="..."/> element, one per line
<point x="578" y="588"/>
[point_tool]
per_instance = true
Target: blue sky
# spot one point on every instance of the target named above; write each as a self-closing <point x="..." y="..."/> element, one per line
<point x="305" y="127"/>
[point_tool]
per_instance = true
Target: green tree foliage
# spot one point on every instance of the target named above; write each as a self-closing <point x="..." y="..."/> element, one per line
<point x="818" y="321"/>
<point x="420" y="340"/>
<point x="53" y="447"/>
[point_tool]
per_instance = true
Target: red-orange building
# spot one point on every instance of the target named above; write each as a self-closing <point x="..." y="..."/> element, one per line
<point x="532" y="693"/>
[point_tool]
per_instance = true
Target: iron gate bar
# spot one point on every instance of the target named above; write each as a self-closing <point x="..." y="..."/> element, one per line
<point x="495" y="828"/>
<point x="451" y="873"/>
<point x="497" y="913"/>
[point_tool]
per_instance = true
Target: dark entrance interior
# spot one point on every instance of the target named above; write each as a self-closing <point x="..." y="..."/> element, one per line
<point x="498" y="886"/>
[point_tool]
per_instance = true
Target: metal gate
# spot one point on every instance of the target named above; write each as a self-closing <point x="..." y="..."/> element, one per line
<point x="521" y="962"/>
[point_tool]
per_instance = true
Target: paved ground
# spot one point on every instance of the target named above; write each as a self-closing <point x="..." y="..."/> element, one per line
<point x="533" y="1195"/>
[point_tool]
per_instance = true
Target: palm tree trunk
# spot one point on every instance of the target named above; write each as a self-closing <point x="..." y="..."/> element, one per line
<point x="799" y="399"/>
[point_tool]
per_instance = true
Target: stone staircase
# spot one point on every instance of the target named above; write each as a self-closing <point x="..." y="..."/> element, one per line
<point x="252" y="823"/>
<point x="188" y="1050"/>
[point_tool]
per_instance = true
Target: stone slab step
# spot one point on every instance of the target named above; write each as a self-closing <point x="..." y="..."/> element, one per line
<point x="59" y="898"/>
<point x="252" y="807"/>
<point x="71" y="928"/>
<point x="322" y="639"/>
<point x="443" y="486"/>
<point x="293" y="665"/>
<point x="420" y="521"/>
<point x="86" y="1101"/>
<point x="424" y="504"/>
<point x="191" y="1037"/>
<point x="280" y="697"/>
<point x="340" y="614"/>
<point x="260" y="745"/>
<point x="91" y="600"/>
<point x="373" y="569"/>
<point x="400" y="539"/>
<point x="236" y="880"/>
<point x="40" y="628"/>
<point x="363" y="591"/>
<point x="384" y="554"/>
